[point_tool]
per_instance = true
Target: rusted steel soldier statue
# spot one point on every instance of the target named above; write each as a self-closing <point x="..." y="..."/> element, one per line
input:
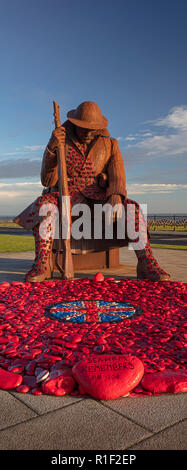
<point x="95" y="173"/>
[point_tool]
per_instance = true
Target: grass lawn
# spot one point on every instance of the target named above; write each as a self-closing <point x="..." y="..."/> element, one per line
<point x="168" y="228"/>
<point x="16" y="243"/>
<point x="169" y="247"/>
<point x="9" y="224"/>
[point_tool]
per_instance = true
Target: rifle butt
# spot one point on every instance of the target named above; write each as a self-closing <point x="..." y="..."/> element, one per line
<point x="67" y="261"/>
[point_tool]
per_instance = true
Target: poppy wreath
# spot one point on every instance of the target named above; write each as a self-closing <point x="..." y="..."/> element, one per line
<point x="54" y="335"/>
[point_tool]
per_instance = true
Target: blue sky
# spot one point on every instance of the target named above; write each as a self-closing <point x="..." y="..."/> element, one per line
<point x="129" y="56"/>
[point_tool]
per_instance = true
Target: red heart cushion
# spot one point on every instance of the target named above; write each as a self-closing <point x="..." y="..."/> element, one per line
<point x="9" y="380"/>
<point x="107" y="377"/>
<point x="169" y="381"/>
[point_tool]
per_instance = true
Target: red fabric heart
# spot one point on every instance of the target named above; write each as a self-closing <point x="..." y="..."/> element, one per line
<point x="9" y="380"/>
<point x="169" y="381"/>
<point x="107" y="377"/>
<point x="98" y="277"/>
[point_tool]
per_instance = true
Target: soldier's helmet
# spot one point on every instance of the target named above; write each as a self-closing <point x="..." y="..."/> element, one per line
<point x="88" y="115"/>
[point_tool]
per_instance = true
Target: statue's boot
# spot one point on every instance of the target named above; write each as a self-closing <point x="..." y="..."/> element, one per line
<point x="41" y="268"/>
<point x="148" y="267"/>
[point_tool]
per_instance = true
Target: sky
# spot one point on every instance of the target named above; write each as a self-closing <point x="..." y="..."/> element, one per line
<point x="128" y="56"/>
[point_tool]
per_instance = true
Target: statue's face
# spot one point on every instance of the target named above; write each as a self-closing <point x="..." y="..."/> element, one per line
<point x="85" y="135"/>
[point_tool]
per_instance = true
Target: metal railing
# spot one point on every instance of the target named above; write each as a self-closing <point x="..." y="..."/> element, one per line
<point x="173" y="222"/>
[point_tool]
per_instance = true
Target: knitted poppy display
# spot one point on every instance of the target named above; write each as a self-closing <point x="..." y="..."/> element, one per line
<point x="50" y="331"/>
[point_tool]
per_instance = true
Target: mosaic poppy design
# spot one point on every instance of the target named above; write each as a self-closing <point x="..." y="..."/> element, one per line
<point x="99" y="311"/>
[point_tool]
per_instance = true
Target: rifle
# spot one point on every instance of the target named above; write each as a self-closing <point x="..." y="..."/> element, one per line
<point x="64" y="243"/>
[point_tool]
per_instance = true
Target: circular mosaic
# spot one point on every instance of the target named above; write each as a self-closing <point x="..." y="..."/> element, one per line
<point x="99" y="311"/>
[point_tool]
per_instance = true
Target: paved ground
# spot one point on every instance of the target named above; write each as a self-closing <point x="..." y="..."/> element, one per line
<point x="13" y="266"/>
<point x="169" y="238"/>
<point x="44" y="422"/>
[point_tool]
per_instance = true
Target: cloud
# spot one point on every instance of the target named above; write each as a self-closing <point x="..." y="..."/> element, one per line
<point x="130" y="138"/>
<point x="174" y="144"/>
<point x="156" y="188"/>
<point x="176" y="119"/>
<point x="136" y="136"/>
<point x="146" y="134"/>
<point x="17" y="190"/>
<point x="33" y="148"/>
<point x="25" y="150"/>
<point x="14" y="197"/>
<point x="170" y="141"/>
<point x="8" y="154"/>
<point x="20" y="168"/>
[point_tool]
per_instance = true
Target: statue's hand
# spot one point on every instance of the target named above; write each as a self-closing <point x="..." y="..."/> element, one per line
<point x="113" y="200"/>
<point x="57" y="138"/>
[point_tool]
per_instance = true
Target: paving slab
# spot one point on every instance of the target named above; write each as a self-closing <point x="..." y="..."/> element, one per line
<point x="172" y="261"/>
<point x="44" y="403"/>
<point x="12" y="411"/>
<point x="86" y="425"/>
<point x="172" y="438"/>
<point x="153" y="413"/>
<point x="13" y="266"/>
